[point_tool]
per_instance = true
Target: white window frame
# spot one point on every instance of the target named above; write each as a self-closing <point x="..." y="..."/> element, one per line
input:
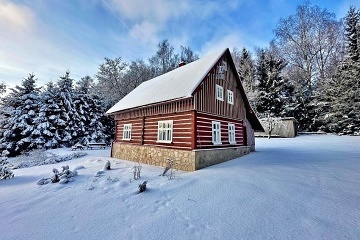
<point x="231" y="132"/>
<point x="216" y="132"/>
<point x="127" y="132"/>
<point x="165" y="131"/>
<point x="219" y="92"/>
<point x="230" y="97"/>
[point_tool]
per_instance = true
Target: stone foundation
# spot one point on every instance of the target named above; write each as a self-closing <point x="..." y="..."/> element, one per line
<point x="187" y="160"/>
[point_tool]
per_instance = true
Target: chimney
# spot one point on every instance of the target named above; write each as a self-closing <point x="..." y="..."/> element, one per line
<point x="182" y="63"/>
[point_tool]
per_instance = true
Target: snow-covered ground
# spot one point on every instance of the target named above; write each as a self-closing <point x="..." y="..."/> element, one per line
<point x="302" y="188"/>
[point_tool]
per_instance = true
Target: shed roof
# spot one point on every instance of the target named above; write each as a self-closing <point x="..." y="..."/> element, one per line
<point x="176" y="84"/>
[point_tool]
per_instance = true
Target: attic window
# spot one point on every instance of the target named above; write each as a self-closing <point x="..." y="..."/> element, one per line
<point x="221" y="69"/>
<point x="230" y="97"/>
<point x="219" y="93"/>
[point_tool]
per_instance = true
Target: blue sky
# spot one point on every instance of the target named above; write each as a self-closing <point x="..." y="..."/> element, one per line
<point x="49" y="37"/>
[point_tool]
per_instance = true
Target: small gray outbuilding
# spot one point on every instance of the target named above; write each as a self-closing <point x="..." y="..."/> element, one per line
<point x="281" y="127"/>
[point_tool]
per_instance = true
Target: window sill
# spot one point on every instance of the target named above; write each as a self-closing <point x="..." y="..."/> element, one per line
<point x="164" y="141"/>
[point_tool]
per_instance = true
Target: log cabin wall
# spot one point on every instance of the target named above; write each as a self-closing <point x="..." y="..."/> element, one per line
<point x="204" y="131"/>
<point x="145" y="129"/>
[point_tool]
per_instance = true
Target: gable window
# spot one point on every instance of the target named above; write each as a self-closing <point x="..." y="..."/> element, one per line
<point x="230" y="97"/>
<point x="231" y="131"/>
<point x="219" y="93"/>
<point x="221" y="69"/>
<point x="165" y="131"/>
<point x="127" y="132"/>
<point x="216" y="132"/>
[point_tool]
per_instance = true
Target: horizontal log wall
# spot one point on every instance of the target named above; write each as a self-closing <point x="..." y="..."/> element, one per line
<point x="205" y="95"/>
<point x="204" y="131"/>
<point x="145" y="129"/>
<point x="136" y="130"/>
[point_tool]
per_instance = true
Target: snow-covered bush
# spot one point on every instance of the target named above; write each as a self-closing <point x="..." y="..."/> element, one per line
<point x="62" y="177"/>
<point x="5" y="171"/>
<point x="142" y="187"/>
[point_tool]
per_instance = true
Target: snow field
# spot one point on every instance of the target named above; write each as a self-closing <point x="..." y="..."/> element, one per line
<point x="302" y="188"/>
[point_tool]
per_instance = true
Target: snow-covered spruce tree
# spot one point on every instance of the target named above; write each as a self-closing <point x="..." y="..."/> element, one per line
<point x="48" y="119"/>
<point x="245" y="67"/>
<point x="272" y="95"/>
<point x="344" y="93"/>
<point x="90" y="112"/>
<point x="67" y="121"/>
<point x="22" y="107"/>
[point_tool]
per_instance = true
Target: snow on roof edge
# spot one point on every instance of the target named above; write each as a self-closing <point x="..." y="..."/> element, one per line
<point x="192" y="73"/>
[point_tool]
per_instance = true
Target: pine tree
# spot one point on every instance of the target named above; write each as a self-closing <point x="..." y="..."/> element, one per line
<point x="344" y="93"/>
<point x="66" y="121"/>
<point x="271" y="99"/>
<point x="90" y="113"/>
<point x="47" y="120"/>
<point x="23" y="107"/>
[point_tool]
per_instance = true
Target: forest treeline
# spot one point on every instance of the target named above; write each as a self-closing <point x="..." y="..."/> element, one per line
<point x="309" y="71"/>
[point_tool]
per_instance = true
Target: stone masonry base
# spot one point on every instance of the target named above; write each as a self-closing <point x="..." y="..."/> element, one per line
<point x="187" y="160"/>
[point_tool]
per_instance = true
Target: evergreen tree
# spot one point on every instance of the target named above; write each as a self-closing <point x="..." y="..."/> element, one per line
<point x="342" y="95"/>
<point x="90" y="113"/>
<point x="271" y="84"/>
<point x="48" y="118"/>
<point x="352" y="34"/>
<point x="67" y="128"/>
<point x="19" y="126"/>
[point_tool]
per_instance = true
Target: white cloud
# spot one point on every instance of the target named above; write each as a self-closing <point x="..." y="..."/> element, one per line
<point x="158" y="11"/>
<point x="146" y="32"/>
<point x="227" y="41"/>
<point x="15" y="18"/>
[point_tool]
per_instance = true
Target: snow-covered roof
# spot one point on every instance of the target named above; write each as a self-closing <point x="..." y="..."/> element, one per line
<point x="177" y="84"/>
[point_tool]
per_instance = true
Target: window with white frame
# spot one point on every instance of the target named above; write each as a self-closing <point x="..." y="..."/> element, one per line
<point x="165" y="131"/>
<point x="127" y="132"/>
<point x="219" y="93"/>
<point x="231" y="131"/>
<point x="230" y="97"/>
<point x="216" y="132"/>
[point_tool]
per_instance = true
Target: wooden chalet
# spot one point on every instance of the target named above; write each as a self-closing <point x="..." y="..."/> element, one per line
<point x="196" y="115"/>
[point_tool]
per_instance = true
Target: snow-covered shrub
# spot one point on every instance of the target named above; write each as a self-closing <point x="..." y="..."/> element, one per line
<point x="142" y="187"/>
<point x="5" y="173"/>
<point x="62" y="177"/>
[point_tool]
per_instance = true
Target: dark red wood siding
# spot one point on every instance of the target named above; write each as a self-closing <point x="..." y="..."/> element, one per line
<point x="205" y="98"/>
<point x="204" y="131"/>
<point x="148" y="128"/>
<point x="136" y="130"/>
